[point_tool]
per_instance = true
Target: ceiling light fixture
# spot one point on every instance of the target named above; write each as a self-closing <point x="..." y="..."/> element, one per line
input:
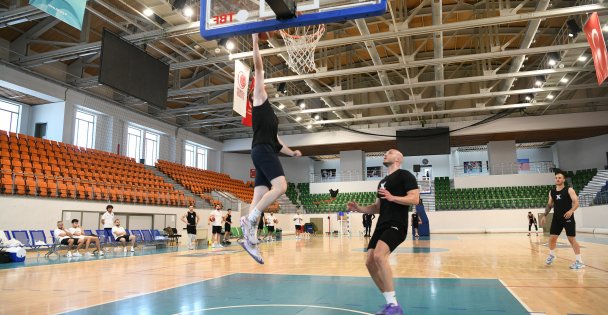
<point x="188" y="12"/>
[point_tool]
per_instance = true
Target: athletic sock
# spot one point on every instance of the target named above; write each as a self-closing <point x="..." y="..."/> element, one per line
<point x="551" y="252"/>
<point x="579" y="258"/>
<point x="390" y="297"/>
<point x="254" y="215"/>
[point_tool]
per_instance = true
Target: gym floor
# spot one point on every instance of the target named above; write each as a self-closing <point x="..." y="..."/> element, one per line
<point x="443" y="274"/>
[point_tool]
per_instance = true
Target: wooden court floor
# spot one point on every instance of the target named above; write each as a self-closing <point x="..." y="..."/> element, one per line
<point x="451" y="263"/>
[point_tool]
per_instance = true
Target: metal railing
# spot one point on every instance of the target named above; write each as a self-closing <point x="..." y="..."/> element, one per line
<point x="53" y="186"/>
<point x="586" y="200"/>
<point x="504" y="168"/>
<point x="346" y="176"/>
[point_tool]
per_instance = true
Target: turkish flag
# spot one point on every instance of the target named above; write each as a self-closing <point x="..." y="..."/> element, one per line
<point x="593" y="30"/>
<point x="246" y="121"/>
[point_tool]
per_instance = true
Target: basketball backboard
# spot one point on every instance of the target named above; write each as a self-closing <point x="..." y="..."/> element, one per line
<point x="226" y="18"/>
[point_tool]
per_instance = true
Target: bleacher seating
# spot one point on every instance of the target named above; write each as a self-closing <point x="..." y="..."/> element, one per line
<point x="581" y="178"/>
<point x="43" y="168"/>
<point x="203" y="182"/>
<point x="520" y="197"/>
<point x="320" y="203"/>
<point x="490" y="197"/>
<point x="601" y="198"/>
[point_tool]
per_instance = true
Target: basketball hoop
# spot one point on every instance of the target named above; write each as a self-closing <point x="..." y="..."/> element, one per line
<point x="301" y="43"/>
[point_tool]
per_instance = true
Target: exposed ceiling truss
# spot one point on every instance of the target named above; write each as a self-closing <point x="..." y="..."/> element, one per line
<point x="423" y="62"/>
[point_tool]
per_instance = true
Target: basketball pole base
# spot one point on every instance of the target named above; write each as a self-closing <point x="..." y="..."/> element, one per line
<point x="283" y="9"/>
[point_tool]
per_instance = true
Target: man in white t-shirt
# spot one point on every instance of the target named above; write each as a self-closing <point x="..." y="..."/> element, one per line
<point x="298" y="220"/>
<point x="66" y="238"/>
<point x="216" y="219"/>
<point x="270" y="223"/>
<point x="77" y="233"/>
<point x="121" y="235"/>
<point x="107" y="219"/>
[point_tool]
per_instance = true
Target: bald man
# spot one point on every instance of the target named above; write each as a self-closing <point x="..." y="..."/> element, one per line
<point x="397" y="192"/>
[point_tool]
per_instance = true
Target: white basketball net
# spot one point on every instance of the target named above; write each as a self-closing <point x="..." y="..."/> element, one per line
<point x="301" y="43"/>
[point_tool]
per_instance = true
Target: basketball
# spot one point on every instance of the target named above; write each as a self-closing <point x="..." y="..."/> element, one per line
<point x="264" y="36"/>
<point x="276" y="221"/>
<point x="212" y="218"/>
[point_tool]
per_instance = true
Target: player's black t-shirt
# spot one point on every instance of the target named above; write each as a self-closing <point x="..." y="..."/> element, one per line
<point x="191" y="218"/>
<point x="265" y="126"/>
<point x="228" y="219"/>
<point x="414" y="219"/>
<point x="561" y="202"/>
<point x="531" y="218"/>
<point x="398" y="184"/>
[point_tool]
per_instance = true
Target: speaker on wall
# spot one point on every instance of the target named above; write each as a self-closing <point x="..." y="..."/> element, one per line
<point x="416" y="168"/>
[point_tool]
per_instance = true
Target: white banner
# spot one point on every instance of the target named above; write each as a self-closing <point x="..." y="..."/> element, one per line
<point x="241" y="87"/>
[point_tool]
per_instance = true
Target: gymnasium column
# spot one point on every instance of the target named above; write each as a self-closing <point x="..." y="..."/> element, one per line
<point x="352" y="164"/>
<point x="502" y="157"/>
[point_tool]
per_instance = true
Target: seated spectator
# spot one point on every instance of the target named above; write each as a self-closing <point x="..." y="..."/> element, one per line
<point x="66" y="238"/>
<point x="122" y="236"/>
<point x="78" y="234"/>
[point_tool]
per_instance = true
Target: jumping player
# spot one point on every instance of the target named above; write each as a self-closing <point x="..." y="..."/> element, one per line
<point x="270" y="181"/>
<point x="564" y="201"/>
<point x="397" y="192"/>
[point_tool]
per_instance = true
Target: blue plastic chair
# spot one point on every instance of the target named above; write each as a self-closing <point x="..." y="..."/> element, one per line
<point x="88" y="232"/>
<point x="147" y="236"/>
<point x="23" y="237"/>
<point x="138" y="235"/>
<point x="38" y="235"/>
<point x="8" y="235"/>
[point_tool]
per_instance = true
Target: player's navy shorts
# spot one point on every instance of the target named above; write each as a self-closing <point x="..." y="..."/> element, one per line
<point x="392" y="235"/>
<point x="267" y="165"/>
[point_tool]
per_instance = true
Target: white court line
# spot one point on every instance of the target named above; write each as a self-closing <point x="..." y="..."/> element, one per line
<point x="274" y="305"/>
<point x="518" y="299"/>
<point x="145" y="293"/>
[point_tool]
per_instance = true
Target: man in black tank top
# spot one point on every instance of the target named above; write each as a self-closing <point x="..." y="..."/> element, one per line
<point x="227" y="226"/>
<point x="532" y="220"/>
<point x="397" y="192"/>
<point x="564" y="201"/>
<point x="270" y="182"/>
<point x="191" y="219"/>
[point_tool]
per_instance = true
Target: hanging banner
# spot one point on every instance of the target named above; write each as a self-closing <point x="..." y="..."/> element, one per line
<point x="593" y="30"/>
<point x="241" y="87"/>
<point x="69" y="11"/>
<point x="246" y="121"/>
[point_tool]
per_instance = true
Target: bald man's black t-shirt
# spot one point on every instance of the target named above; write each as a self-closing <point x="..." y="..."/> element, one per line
<point x="398" y="184"/>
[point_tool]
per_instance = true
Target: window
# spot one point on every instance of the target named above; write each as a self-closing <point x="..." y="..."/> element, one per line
<point x="151" y="148"/>
<point x="9" y="116"/>
<point x="189" y="156"/>
<point x="134" y="143"/>
<point x="195" y="156"/>
<point x="84" y="130"/>
<point x="201" y="158"/>
<point x="138" y="141"/>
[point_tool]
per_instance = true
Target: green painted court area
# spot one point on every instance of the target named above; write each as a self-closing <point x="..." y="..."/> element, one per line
<point x="307" y="295"/>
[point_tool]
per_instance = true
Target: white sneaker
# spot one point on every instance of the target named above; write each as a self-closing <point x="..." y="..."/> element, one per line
<point x="88" y="254"/>
<point x="124" y="250"/>
<point x="212" y="245"/>
<point x="100" y="253"/>
<point x="253" y="251"/>
<point x="77" y="254"/>
<point x="249" y="231"/>
<point x="68" y="254"/>
<point x="132" y="249"/>
<point x="220" y="245"/>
